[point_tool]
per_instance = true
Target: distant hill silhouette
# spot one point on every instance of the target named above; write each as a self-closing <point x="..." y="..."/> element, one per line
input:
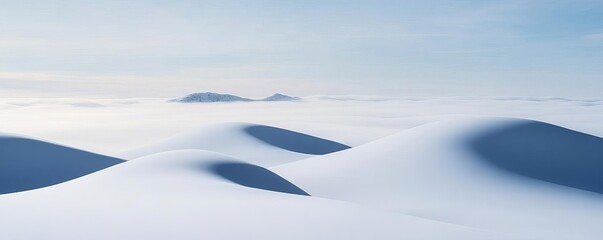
<point x="206" y="97"/>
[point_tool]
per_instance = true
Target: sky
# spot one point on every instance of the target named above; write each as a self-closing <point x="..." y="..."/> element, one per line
<point x="82" y="48"/>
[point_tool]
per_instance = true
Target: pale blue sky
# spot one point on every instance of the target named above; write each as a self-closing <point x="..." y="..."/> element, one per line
<point x="254" y="48"/>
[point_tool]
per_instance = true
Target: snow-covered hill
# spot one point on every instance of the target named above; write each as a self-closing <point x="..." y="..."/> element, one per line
<point x="515" y="176"/>
<point x="469" y="178"/>
<point x="277" y="97"/>
<point x="210" y="97"/>
<point x="218" y="97"/>
<point x="258" y="144"/>
<point x="194" y="194"/>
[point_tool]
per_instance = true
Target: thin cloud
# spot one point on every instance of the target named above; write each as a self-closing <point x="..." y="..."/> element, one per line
<point x="595" y="36"/>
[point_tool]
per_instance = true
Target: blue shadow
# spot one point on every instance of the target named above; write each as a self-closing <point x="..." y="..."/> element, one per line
<point x="27" y="164"/>
<point x="255" y="177"/>
<point x="294" y="141"/>
<point x="546" y="152"/>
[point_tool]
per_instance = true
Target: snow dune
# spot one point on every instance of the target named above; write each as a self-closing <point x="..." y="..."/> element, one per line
<point x="508" y="175"/>
<point x="257" y="144"/>
<point x="180" y="195"/>
<point x="27" y="163"/>
<point x="470" y="178"/>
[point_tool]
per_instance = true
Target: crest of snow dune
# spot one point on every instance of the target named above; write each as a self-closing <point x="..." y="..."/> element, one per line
<point x="474" y="178"/>
<point x="204" y="191"/>
<point x="480" y="172"/>
<point x="257" y="144"/>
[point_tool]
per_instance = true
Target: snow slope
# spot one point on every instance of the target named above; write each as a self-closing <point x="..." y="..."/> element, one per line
<point x="515" y="176"/>
<point x="27" y="163"/>
<point x="469" y="178"/>
<point x="181" y="195"/>
<point x="257" y="144"/>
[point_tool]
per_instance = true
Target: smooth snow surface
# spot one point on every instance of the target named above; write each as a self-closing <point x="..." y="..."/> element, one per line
<point x="395" y="169"/>
<point x="507" y="175"/>
<point x="177" y="195"/>
<point x="257" y="144"/>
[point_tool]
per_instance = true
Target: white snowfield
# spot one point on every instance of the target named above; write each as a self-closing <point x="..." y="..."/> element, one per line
<point x="468" y="178"/>
<point x="515" y="176"/>
<point x="257" y="144"/>
<point x="183" y="194"/>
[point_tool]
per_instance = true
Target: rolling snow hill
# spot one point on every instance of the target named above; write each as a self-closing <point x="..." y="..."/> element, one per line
<point x="258" y="144"/>
<point x="469" y="178"/>
<point x="507" y="175"/>
<point x="184" y="195"/>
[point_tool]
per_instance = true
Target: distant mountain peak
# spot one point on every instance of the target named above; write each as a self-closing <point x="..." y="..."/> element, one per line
<point x="206" y="97"/>
<point x="210" y="97"/>
<point x="280" y="97"/>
